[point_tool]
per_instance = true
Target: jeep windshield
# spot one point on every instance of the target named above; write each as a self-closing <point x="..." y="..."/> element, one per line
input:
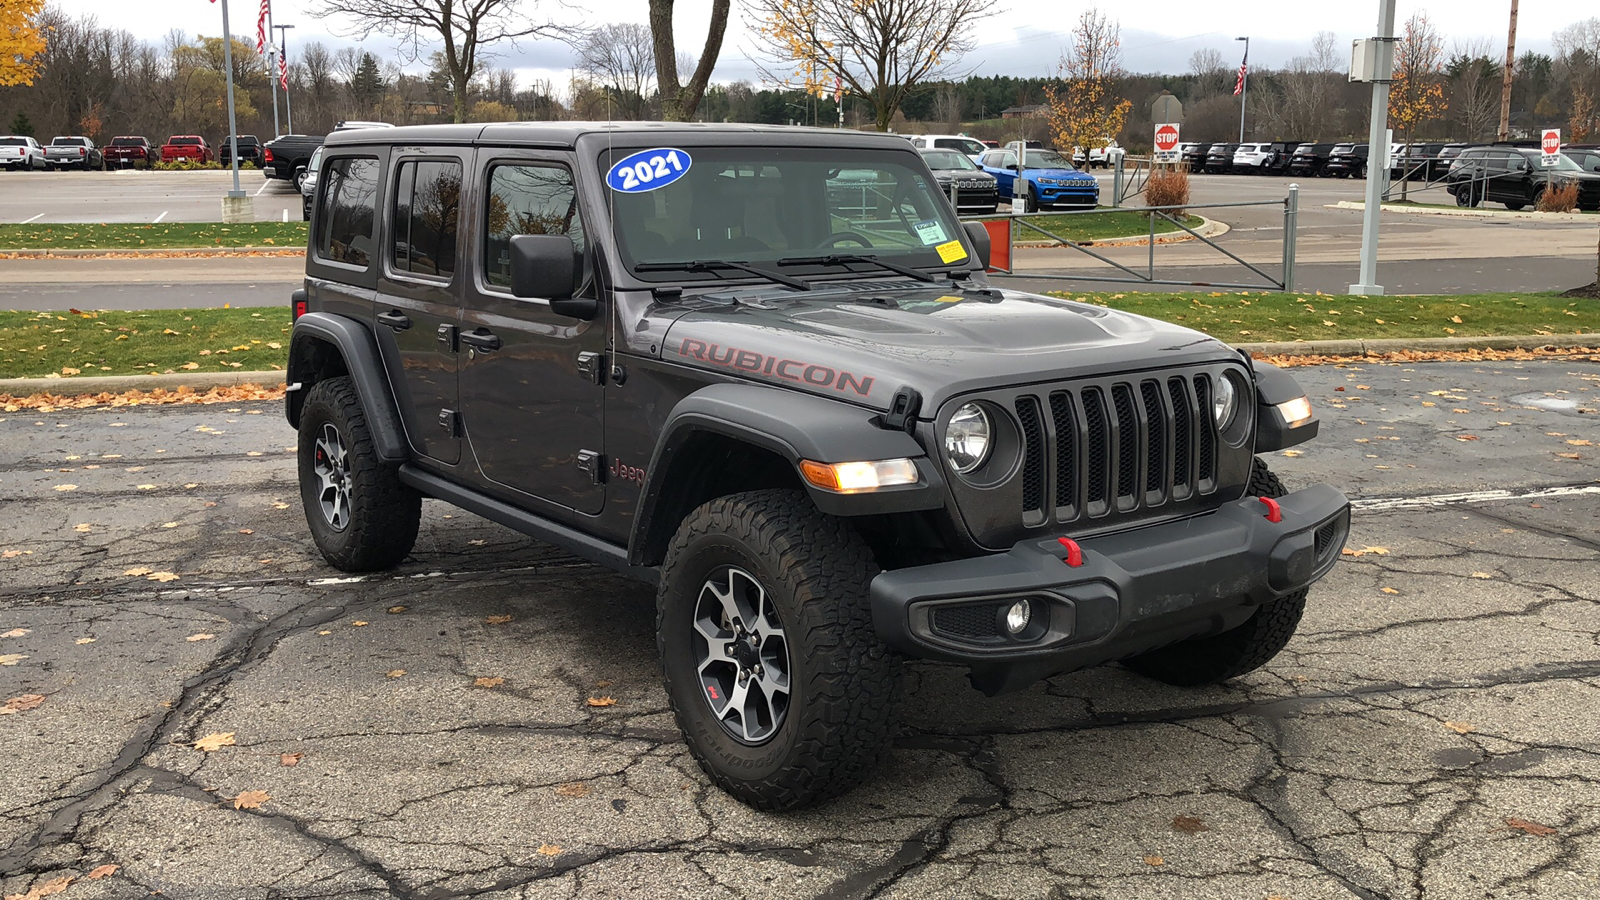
<point x="1047" y="159"/>
<point x="759" y="205"/>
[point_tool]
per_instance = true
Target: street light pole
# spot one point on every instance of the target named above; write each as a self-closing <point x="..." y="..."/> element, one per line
<point x="236" y="205"/>
<point x="1377" y="137"/>
<point x="283" y="57"/>
<point x="1244" y="85"/>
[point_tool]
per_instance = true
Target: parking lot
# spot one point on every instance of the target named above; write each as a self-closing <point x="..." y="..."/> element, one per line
<point x="133" y="195"/>
<point x="442" y="731"/>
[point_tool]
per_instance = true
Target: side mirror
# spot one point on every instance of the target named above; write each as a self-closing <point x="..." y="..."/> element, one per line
<point x="979" y="236"/>
<point x="545" y="266"/>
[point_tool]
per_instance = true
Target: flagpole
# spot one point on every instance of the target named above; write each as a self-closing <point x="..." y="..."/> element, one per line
<point x="1244" y="86"/>
<point x="272" y="68"/>
<point x="233" y="119"/>
<point x="283" y="76"/>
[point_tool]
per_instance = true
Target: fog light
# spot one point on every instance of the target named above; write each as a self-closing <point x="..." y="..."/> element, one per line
<point x="1018" y="616"/>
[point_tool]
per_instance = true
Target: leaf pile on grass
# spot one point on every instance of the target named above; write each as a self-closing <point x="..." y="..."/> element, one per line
<point x="1245" y="318"/>
<point x="1405" y="357"/>
<point x="144" y="236"/>
<point x="184" y="396"/>
<point x="163" y="341"/>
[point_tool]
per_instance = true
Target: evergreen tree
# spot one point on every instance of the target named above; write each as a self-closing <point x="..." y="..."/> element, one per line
<point x="366" y="86"/>
<point x="22" y="125"/>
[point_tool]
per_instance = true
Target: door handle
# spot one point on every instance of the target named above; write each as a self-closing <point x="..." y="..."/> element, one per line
<point x="481" y="340"/>
<point x="395" y="320"/>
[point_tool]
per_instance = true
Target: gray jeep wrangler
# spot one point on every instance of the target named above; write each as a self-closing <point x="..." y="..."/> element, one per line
<point x="763" y="369"/>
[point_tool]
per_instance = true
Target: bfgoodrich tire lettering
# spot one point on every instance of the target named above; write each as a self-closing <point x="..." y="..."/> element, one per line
<point x="362" y="518"/>
<point x="815" y="571"/>
<point x="1236" y="651"/>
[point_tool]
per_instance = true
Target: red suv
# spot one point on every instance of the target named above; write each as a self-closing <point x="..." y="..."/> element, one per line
<point x="187" y="146"/>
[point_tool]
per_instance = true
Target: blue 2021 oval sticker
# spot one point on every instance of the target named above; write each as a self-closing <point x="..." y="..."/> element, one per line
<point x="648" y="170"/>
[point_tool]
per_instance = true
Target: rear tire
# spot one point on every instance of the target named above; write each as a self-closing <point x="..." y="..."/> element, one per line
<point x="362" y="518"/>
<point x="1207" y="660"/>
<point x="786" y="723"/>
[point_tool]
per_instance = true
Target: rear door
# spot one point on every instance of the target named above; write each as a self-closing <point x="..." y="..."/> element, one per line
<point x="531" y="394"/>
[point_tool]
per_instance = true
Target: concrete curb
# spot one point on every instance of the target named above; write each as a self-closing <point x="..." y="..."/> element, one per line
<point x="1473" y="213"/>
<point x="174" y="253"/>
<point x="116" y="384"/>
<point x="1209" y="228"/>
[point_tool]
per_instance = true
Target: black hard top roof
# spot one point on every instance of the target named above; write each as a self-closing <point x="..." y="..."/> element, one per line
<point x="567" y="134"/>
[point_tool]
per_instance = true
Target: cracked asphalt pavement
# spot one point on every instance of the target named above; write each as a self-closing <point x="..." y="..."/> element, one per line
<point x="1429" y="733"/>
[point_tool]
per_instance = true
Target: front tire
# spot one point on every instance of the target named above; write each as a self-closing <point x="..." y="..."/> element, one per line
<point x="774" y="672"/>
<point x="1207" y="660"/>
<point x="362" y="518"/>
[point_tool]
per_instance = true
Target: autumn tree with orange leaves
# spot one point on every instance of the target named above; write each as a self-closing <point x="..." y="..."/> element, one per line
<point x="20" y="40"/>
<point x="1083" y="110"/>
<point x="1417" y="93"/>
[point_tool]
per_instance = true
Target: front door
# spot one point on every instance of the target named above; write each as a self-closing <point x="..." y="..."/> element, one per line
<point x="531" y="392"/>
<point x="419" y="285"/>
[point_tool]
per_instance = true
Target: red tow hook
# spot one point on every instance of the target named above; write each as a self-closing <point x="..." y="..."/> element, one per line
<point x="1274" y="511"/>
<point x="1074" y="552"/>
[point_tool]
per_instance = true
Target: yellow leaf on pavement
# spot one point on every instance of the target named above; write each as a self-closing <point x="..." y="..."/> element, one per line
<point x="601" y="701"/>
<point x="11" y="659"/>
<point x="24" y="701"/>
<point x="16" y="632"/>
<point x="1390" y="590"/>
<point x="1481" y="575"/>
<point x="290" y="759"/>
<point x="1154" y="861"/>
<point x="488" y="682"/>
<point x="549" y="850"/>
<point x="395" y="673"/>
<point x="215" y="741"/>
<point x="137" y="570"/>
<point x="202" y="636"/>
<point x="83" y="528"/>
<point x="1460" y="727"/>
<point x="498" y="620"/>
<point x="66" y="487"/>
<point x="162" y="576"/>
<point x="81" y="641"/>
<point x="575" y="789"/>
<point x="105" y="871"/>
<point x="250" y="799"/>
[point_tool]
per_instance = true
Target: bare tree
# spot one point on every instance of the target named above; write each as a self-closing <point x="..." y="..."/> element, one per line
<point x="1474" y="81"/>
<point x="947" y="106"/>
<point x="876" y="49"/>
<point x="620" y="56"/>
<point x="679" y="101"/>
<point x="466" y="28"/>
<point x="1208" y="69"/>
<point x="1308" y="101"/>
<point x="1578" y="59"/>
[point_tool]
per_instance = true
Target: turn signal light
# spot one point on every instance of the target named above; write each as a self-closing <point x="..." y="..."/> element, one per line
<point x="857" y="477"/>
<point x="1296" y="412"/>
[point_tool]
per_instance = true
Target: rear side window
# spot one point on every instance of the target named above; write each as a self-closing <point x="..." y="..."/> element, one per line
<point x="527" y="199"/>
<point x="348" y="204"/>
<point x="426" y="217"/>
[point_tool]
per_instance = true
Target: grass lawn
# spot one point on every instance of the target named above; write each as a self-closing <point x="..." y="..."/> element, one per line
<point x="1099" y="226"/>
<point x="34" y="344"/>
<point x="1246" y="318"/>
<point x="165" y="236"/>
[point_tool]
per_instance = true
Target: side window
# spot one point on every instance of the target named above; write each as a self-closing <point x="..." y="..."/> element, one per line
<point x="427" y="207"/>
<point x="527" y="199"/>
<point x="349" y="195"/>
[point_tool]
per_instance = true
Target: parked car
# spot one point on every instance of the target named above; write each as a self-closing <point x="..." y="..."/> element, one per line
<point x="1346" y="161"/>
<point x="21" y="152"/>
<point x="972" y="147"/>
<point x="1194" y="156"/>
<point x="130" y="151"/>
<point x="287" y="157"/>
<point x="191" y="147"/>
<point x="73" y="151"/>
<point x="1106" y="157"/>
<point x="1516" y="177"/>
<point x="1308" y="159"/>
<point x="1219" y="158"/>
<point x="976" y="190"/>
<point x="1270" y="158"/>
<point x="1415" y="162"/>
<point x="830" y="443"/>
<point x="308" y="182"/>
<point x="1049" y="179"/>
<point x="1587" y="158"/>
<point x="249" y="151"/>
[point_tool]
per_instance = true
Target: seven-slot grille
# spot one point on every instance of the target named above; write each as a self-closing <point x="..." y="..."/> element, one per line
<point x="1117" y="447"/>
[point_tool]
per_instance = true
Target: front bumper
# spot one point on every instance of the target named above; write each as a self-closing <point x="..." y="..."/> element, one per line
<point x="1135" y="590"/>
<point x="1082" y="194"/>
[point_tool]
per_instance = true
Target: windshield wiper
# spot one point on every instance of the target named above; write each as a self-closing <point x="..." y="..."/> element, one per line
<point x="713" y="265"/>
<point x="839" y="259"/>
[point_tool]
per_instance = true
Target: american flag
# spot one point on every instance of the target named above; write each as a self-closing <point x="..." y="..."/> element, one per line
<point x="283" y="70"/>
<point x="1244" y="67"/>
<point x="261" y="26"/>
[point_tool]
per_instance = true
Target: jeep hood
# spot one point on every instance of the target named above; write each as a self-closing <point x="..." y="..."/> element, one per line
<point x="1063" y="174"/>
<point x="863" y="344"/>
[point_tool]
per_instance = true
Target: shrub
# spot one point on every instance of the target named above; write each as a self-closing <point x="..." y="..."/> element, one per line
<point x="1558" y="198"/>
<point x="185" y="165"/>
<point x="1167" y="189"/>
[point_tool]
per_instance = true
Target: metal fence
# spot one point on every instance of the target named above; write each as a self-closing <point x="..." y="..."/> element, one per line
<point x="1023" y="227"/>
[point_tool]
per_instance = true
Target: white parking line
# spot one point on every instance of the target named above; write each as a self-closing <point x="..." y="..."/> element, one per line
<point x="159" y="218"/>
<point x="286" y="216"/>
<point x="41" y="215"/>
<point x="263" y="187"/>
<point x="1379" y="504"/>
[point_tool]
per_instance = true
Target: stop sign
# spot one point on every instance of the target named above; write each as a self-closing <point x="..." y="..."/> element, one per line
<point x="1551" y="142"/>
<point x="1166" y="138"/>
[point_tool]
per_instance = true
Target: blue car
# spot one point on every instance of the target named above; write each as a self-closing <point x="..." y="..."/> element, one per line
<point x="1049" y="179"/>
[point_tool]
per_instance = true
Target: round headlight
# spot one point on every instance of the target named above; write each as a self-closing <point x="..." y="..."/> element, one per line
<point x="968" y="438"/>
<point x="1224" y="402"/>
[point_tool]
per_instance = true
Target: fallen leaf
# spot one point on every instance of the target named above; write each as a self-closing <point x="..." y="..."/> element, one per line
<point x="1363" y="387"/>
<point x="359" y="624"/>
<point x="1533" y="828"/>
<point x="1154" y="861"/>
<point x="1294" y="453"/>
<point x="162" y="576"/>
<point x="1569" y="456"/>
<point x="395" y="609"/>
<point x="202" y="636"/>
<point x="246" y="531"/>
<point x="214" y="742"/>
<point x="290" y="759"/>
<point x="24" y="701"/>
<point x="395" y="673"/>
<point x="43" y="889"/>
<point x="549" y="850"/>
<point x="498" y="620"/>
<point x="1460" y="727"/>
<point x="11" y="659"/>
<point x="105" y="871"/>
<point x="83" y="528"/>
<point x="601" y="701"/>
<point x="488" y="681"/>
<point x="1466" y="437"/>
<point x="169" y="524"/>
<point x="324" y="631"/>
<point x="66" y="487"/>
<point x="602" y="684"/>
<point x="1390" y="590"/>
<point x="575" y="789"/>
<point x="1579" y="442"/>
<point x="145" y="487"/>
<point x="16" y="632"/>
<point x="1189" y="824"/>
<point x="1376" y="551"/>
<point x="1428" y="403"/>
<point x="250" y="799"/>
<point x="1456" y="319"/>
<point x="191" y="366"/>
<point x="1481" y="575"/>
<point x="280" y="506"/>
<point x="137" y="570"/>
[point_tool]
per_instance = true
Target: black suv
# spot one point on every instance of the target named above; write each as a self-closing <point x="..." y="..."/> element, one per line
<point x="1194" y="155"/>
<point x="1219" y="158"/>
<point x="972" y="189"/>
<point x="1308" y="159"/>
<point x="1347" y="160"/>
<point x="1516" y="177"/>
<point x="249" y="150"/>
<point x="763" y="369"/>
<point x="1417" y="162"/>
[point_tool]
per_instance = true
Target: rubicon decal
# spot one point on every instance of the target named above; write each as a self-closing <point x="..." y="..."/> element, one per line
<point x="795" y="370"/>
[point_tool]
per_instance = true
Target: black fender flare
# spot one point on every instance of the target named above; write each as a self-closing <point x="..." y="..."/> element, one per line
<point x="359" y="352"/>
<point x="1275" y="386"/>
<point x="793" y="426"/>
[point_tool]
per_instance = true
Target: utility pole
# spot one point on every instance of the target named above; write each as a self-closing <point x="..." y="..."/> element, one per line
<point x="1377" y="137"/>
<point x="283" y="67"/>
<point x="1505" y="89"/>
<point x="1244" y="85"/>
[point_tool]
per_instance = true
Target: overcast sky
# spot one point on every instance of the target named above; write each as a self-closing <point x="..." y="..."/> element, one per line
<point x="1025" y="39"/>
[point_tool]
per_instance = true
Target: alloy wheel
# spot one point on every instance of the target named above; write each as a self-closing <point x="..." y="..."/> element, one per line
<point x="332" y="468"/>
<point x="743" y="655"/>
